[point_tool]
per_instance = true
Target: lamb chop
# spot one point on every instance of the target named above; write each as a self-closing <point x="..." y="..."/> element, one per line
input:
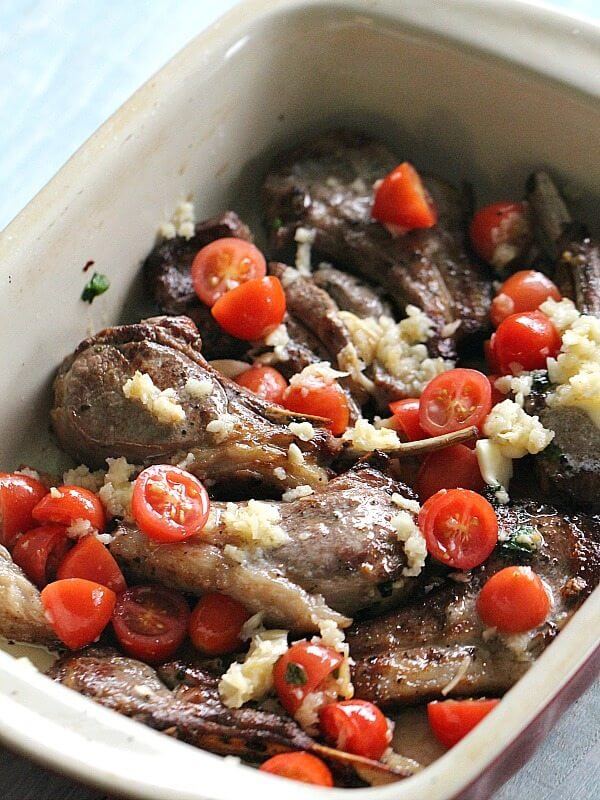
<point x="21" y="613"/>
<point x="437" y="646"/>
<point x="327" y="185"/>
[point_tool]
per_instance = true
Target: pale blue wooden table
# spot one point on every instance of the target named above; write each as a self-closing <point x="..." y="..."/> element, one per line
<point x="65" y="65"/>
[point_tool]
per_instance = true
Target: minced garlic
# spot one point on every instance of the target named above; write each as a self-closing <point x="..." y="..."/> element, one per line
<point x="255" y="524"/>
<point x="252" y="679"/>
<point x="182" y="222"/>
<point x="514" y="431"/>
<point x="364" y="436"/>
<point x="303" y="430"/>
<point x="162" y="404"/>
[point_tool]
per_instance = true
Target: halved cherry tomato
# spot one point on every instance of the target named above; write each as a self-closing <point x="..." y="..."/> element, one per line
<point x="356" y="726"/>
<point x="150" y="622"/>
<point x="78" y="610"/>
<point x="326" y="400"/>
<point x="500" y="232"/>
<point x="91" y="560"/>
<point x="401" y="199"/>
<point x="169" y="504"/>
<point x="266" y="382"/>
<point x="453" y="467"/>
<point x="73" y="503"/>
<point x="455" y="400"/>
<point x="19" y="495"/>
<point x="460" y="528"/>
<point x="39" y="550"/>
<point x="300" y="670"/>
<point x="524" y="342"/>
<point x="524" y="291"/>
<point x="224" y="264"/>
<point x="252" y="310"/>
<point x="513" y="600"/>
<point x="406" y="414"/>
<point x="497" y="396"/>
<point x="216" y="623"/>
<point x="301" y="766"/>
<point x="451" y="720"/>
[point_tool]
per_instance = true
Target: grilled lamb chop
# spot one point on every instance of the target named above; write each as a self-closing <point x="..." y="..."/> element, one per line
<point x="21" y="613"/>
<point x="437" y="646"/>
<point x="326" y="185"/>
<point x="351" y="294"/>
<point x="343" y="555"/>
<point x="94" y="420"/>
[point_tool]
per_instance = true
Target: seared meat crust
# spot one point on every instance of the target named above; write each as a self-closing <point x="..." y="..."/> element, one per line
<point x="21" y="612"/>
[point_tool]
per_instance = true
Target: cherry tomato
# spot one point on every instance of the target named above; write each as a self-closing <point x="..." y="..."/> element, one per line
<point x="150" y="622"/>
<point x="169" y="504"/>
<point x="524" y="342"/>
<point x="266" y="382"/>
<point x="497" y="396"/>
<point x="402" y="199"/>
<point x="39" y="550"/>
<point x="91" y="560"/>
<point x="406" y="414"/>
<point x="455" y="400"/>
<point x="524" y="291"/>
<point x="453" y="467"/>
<point x="74" y="503"/>
<point x="500" y="232"/>
<point x="78" y="610"/>
<point x="513" y="600"/>
<point x="301" y="670"/>
<point x="301" y="766"/>
<point x="321" y="400"/>
<point x="356" y="726"/>
<point x="224" y="264"/>
<point x="450" y="720"/>
<point x="19" y="494"/>
<point x="216" y="623"/>
<point x="252" y="310"/>
<point x="460" y="527"/>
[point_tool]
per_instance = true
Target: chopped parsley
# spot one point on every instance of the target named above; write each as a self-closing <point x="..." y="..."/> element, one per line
<point x="295" y="674"/>
<point x="523" y="540"/>
<point x="97" y="285"/>
<point x="277" y="223"/>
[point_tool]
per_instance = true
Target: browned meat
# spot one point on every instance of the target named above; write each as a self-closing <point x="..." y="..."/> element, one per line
<point x="412" y="654"/>
<point x="94" y="420"/>
<point x="21" y="613"/>
<point x="351" y="294"/>
<point x="343" y="555"/>
<point x="327" y="185"/>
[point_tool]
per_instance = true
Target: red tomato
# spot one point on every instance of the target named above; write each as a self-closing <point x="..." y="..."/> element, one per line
<point x="497" y="396"/>
<point x="150" y="622"/>
<point x="39" y="550"/>
<point x="266" y="382"/>
<point x="401" y="199"/>
<point x="169" y="504"/>
<point x="74" y="503"/>
<point x="453" y="467"/>
<point x="524" y="342"/>
<point x="406" y="414"/>
<point x="19" y="494"/>
<point x="498" y="227"/>
<point x="77" y="610"/>
<point x="224" y="264"/>
<point x="455" y="400"/>
<point x="524" y="291"/>
<point x="216" y="623"/>
<point x="91" y="560"/>
<point x="460" y="528"/>
<point x="301" y="670"/>
<point x="252" y="310"/>
<point x="301" y="766"/>
<point x="321" y="400"/>
<point x="513" y="600"/>
<point x="450" y="720"/>
<point x="356" y="726"/>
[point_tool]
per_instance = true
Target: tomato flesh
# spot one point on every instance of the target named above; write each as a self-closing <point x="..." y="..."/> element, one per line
<point x="302" y="669"/>
<point x="90" y="559"/>
<point x="406" y="415"/>
<point x="402" y="200"/>
<point x="301" y="766"/>
<point x="19" y="495"/>
<point x="356" y="726"/>
<point x="455" y="400"/>
<point x="223" y="265"/>
<point x="266" y="382"/>
<point x="460" y="527"/>
<point x="500" y="232"/>
<point x="252" y="310"/>
<point x="39" y="550"/>
<point x="216" y="623"/>
<point x="150" y="622"/>
<point x="451" y="720"/>
<point x="169" y="504"/>
<point x="524" y="341"/>
<point x="321" y="400"/>
<point x="78" y="610"/>
<point x="523" y="291"/>
<point x="454" y="467"/>
<point x="514" y="600"/>
<point x="66" y="504"/>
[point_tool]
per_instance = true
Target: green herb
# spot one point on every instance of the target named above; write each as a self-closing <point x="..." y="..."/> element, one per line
<point x="96" y="285"/>
<point x="277" y="223"/>
<point x="295" y="674"/>
<point x="518" y="544"/>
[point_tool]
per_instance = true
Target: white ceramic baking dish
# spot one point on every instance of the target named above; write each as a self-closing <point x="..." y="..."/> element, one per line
<point x="470" y="89"/>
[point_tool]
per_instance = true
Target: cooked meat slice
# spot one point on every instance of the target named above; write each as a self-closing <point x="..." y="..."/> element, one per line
<point x="351" y="294"/>
<point x="21" y="612"/>
<point x="248" y="438"/>
<point x="438" y="646"/>
<point x="343" y="555"/>
<point x="327" y="185"/>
